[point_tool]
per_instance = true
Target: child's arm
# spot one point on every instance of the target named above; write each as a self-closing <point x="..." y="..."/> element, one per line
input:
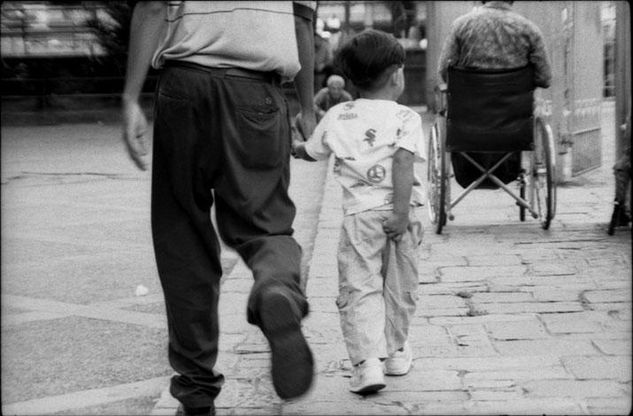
<point x="402" y="173"/>
<point x="318" y="147"/>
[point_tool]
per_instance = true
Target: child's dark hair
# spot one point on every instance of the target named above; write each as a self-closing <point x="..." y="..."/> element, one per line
<point x="366" y="59"/>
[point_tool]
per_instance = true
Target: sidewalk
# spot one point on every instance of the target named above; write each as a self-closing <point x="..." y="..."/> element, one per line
<point x="83" y="316"/>
<point x="512" y="319"/>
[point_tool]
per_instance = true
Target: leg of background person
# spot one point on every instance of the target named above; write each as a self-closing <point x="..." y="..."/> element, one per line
<point x="319" y="81"/>
<point x="186" y="247"/>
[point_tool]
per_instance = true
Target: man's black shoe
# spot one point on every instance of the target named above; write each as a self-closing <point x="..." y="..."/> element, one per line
<point x="292" y="362"/>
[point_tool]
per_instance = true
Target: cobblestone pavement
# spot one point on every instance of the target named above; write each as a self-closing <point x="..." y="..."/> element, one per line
<point x="512" y="319"/>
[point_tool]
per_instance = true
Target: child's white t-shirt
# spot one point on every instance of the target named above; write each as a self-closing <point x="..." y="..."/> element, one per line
<point x="364" y="135"/>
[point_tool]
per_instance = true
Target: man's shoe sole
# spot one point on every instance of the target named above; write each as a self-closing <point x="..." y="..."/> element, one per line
<point x="292" y="361"/>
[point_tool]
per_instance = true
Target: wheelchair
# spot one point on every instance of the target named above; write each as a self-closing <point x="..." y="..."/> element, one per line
<point x="486" y="134"/>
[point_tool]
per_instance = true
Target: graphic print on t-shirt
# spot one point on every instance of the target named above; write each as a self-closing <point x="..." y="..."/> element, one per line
<point x="370" y="136"/>
<point x="376" y="173"/>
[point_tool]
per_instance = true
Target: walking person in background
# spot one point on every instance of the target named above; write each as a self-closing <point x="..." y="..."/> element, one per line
<point x="331" y="95"/>
<point x="221" y="125"/>
<point x="375" y="141"/>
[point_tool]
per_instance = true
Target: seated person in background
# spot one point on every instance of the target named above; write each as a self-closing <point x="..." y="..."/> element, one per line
<point x="331" y="95"/>
<point x="325" y="99"/>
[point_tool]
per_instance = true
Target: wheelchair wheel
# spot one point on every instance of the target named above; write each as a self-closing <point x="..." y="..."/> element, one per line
<point x="523" y="180"/>
<point x="522" y="195"/>
<point x="437" y="179"/>
<point x="543" y="173"/>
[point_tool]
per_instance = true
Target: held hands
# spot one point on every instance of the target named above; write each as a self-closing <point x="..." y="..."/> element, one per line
<point x="396" y="225"/>
<point x="295" y="147"/>
<point x="299" y="150"/>
<point x="135" y="133"/>
<point x="303" y="126"/>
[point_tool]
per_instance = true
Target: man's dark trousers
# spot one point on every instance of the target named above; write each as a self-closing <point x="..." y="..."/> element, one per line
<point x="226" y="130"/>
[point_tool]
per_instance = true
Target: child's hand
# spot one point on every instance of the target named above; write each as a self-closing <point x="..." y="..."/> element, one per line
<point x="396" y="225"/>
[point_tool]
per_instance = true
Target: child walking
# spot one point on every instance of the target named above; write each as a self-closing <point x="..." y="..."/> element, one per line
<point x="375" y="142"/>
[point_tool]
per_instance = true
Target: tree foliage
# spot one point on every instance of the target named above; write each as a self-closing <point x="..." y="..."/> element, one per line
<point x="113" y="33"/>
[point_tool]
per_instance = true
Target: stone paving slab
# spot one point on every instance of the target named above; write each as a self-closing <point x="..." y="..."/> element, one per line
<point x="89" y="399"/>
<point x="80" y="361"/>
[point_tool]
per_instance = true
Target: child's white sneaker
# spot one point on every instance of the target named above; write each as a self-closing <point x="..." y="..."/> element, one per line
<point x="399" y="363"/>
<point x="367" y="377"/>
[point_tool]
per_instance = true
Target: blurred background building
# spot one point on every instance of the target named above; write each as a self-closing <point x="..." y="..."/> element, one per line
<point x="39" y="29"/>
<point x="52" y="49"/>
<point x="62" y="56"/>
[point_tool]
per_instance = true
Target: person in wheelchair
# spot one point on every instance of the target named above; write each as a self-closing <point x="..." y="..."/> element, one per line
<point x="493" y="37"/>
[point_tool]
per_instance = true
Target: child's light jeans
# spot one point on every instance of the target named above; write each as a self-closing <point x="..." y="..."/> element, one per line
<point x="378" y="283"/>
